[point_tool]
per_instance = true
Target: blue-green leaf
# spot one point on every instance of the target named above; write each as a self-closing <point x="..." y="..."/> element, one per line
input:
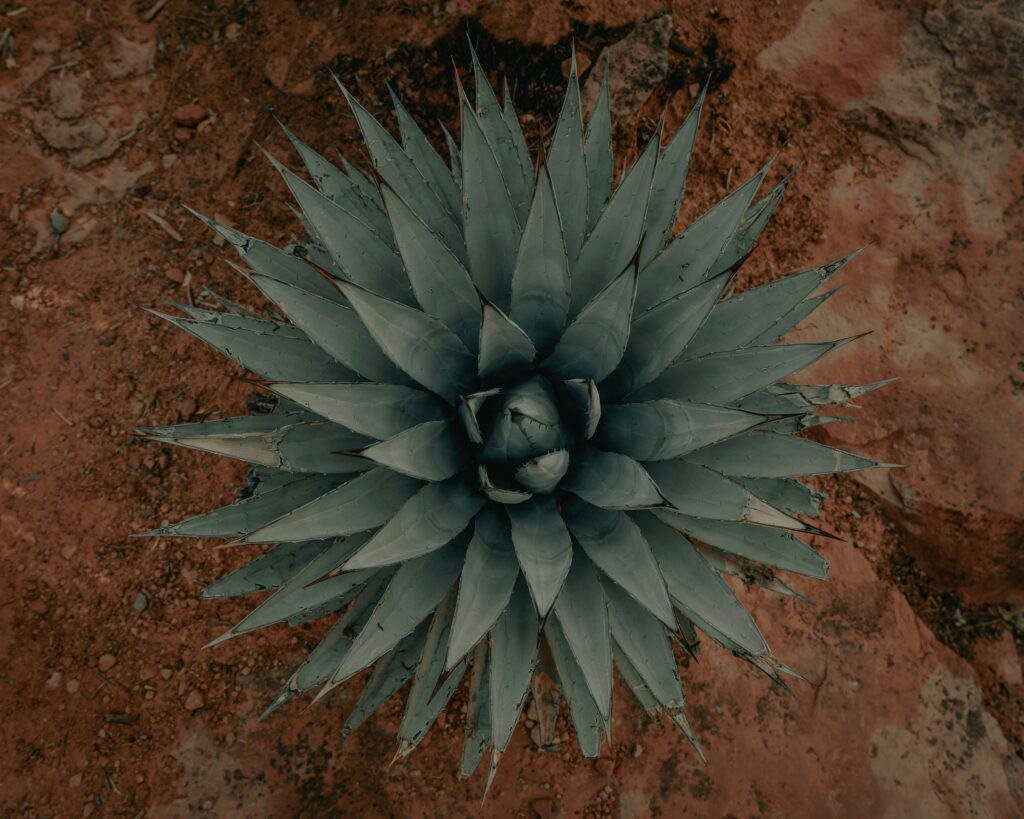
<point x="504" y="348"/>
<point x="334" y="328"/>
<point x="492" y="228"/>
<point x="485" y="587"/>
<point x="378" y="410"/>
<point x="669" y="184"/>
<point x="543" y="547"/>
<point x="542" y="474"/>
<point x="586" y="717"/>
<point x="665" y="428"/>
<point x="426" y="522"/>
<point x="363" y="503"/>
<point x="617" y="234"/>
<point x="582" y="612"/>
<point x="690" y="258"/>
<point x="770" y="455"/>
<point x="513" y="657"/>
<point x="614" y="543"/>
<point x="597" y="150"/>
<point x="568" y="169"/>
<point x="592" y="346"/>
<point x="611" y="481"/>
<point x="540" y="281"/>
<point x="441" y="284"/>
<point x="420" y="344"/>
<point x="429" y="451"/>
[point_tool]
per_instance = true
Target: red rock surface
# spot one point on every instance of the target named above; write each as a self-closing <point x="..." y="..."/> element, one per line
<point x="908" y="122"/>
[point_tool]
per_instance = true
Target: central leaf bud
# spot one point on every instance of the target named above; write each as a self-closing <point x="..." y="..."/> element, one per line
<point x="523" y="434"/>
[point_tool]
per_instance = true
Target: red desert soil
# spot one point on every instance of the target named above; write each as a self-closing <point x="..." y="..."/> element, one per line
<point x="907" y="119"/>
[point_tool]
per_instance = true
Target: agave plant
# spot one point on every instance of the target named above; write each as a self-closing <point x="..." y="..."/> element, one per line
<point x="522" y="429"/>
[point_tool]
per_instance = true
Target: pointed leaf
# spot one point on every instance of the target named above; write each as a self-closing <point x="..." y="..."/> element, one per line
<point x="518" y="140"/>
<point x="419" y="344"/>
<point x="334" y="328"/>
<point x="698" y="589"/>
<point x="614" y="543"/>
<point x="301" y="592"/>
<point x="584" y="401"/>
<point x="737" y="322"/>
<point x="365" y="256"/>
<point x="429" y="694"/>
<point x="492" y="229"/>
<point x="540" y="281"/>
<point x="441" y="284"/>
<point x="251" y="513"/>
<point x="270" y="261"/>
<point x="611" y="481"/>
<point x="333" y="183"/>
<point x="669" y="184"/>
<point x="598" y="152"/>
<point x="762" y="544"/>
<point x="659" y="336"/>
<point x="276" y="356"/>
<point x="643" y="640"/>
<point x="513" y="657"/>
<point x="365" y="502"/>
<point x="635" y="682"/>
<point x="769" y="455"/>
<point x="586" y="717"/>
<point x="617" y="234"/>
<point x="303" y="446"/>
<point x="428" y="520"/>
<point x="426" y="159"/>
<point x="388" y="676"/>
<point x="592" y="346"/>
<point x="429" y="451"/>
<point x="268" y="571"/>
<point x="787" y="495"/>
<point x="543" y="547"/>
<point x="418" y="586"/>
<point x="662" y="429"/>
<point x="504" y="347"/>
<point x="721" y="378"/>
<point x="517" y="177"/>
<point x="690" y="258"/>
<point x="695" y="490"/>
<point x="567" y="166"/>
<point x="378" y="410"/>
<point x="485" y="587"/>
<point x="583" y="615"/>
<point x="542" y="474"/>
<point x="399" y="171"/>
<point x="754" y="221"/>
<point x="478" y="714"/>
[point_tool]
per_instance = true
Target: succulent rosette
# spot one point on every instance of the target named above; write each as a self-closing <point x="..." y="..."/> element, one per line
<point x="523" y="429"/>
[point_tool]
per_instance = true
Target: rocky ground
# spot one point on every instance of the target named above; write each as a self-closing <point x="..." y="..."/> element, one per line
<point x="907" y="120"/>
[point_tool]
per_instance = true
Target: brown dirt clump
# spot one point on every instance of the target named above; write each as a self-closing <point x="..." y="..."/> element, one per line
<point x="907" y="120"/>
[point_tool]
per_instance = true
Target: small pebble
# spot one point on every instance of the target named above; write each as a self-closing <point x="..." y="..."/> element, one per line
<point x="175" y="275"/>
<point x="189" y="115"/>
<point x="107" y="662"/>
<point x="194" y="701"/>
<point x="232" y="31"/>
<point x="166" y="673"/>
<point x="53" y="681"/>
<point x="75" y="781"/>
<point x="59" y="222"/>
<point x="71" y="686"/>
<point x="140" y="603"/>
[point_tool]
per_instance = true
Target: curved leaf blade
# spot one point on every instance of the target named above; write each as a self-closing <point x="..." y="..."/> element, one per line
<point x="664" y="428"/>
<point x="429" y="451"/>
<point x="543" y="548"/>
<point x="488" y="578"/>
<point x="423" y="347"/>
<point x="513" y="657"/>
<point x="504" y="347"/>
<point x="617" y="547"/>
<point x="611" y="481"/>
<point x="362" y="503"/>
<point x="380" y="411"/>
<point x="540" y="280"/>
<point x="429" y="520"/>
